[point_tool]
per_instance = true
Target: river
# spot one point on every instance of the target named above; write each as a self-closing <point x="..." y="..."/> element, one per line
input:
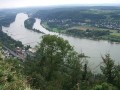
<point x="91" y="48"/>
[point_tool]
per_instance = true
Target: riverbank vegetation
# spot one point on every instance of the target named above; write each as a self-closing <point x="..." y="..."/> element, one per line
<point x="88" y="33"/>
<point x="8" y="41"/>
<point x="28" y="23"/>
<point x="56" y="66"/>
<point x="11" y="77"/>
<point x="6" y="18"/>
<point x="94" y="34"/>
<point x="72" y="19"/>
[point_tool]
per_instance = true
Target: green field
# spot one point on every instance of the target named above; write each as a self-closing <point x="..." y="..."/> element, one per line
<point x="86" y="27"/>
<point x="113" y="32"/>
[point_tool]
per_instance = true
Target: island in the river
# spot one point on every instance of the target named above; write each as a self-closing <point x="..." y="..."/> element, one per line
<point x="100" y="23"/>
<point x="28" y="23"/>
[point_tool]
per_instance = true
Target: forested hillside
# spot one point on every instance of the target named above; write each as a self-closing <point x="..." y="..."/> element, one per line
<point x="11" y="76"/>
<point x="78" y="20"/>
<point x="56" y="66"/>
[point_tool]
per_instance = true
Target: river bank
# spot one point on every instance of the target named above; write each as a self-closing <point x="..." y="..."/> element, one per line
<point x="92" y="48"/>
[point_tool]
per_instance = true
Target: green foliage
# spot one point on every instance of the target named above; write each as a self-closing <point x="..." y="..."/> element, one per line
<point x="117" y="78"/>
<point x="8" y="41"/>
<point x="99" y="17"/>
<point x="108" y="69"/>
<point x="104" y="86"/>
<point x="55" y="66"/>
<point x="29" y="23"/>
<point x="113" y="38"/>
<point x="111" y="71"/>
<point x="7" y="19"/>
<point x="88" y="33"/>
<point x="10" y="76"/>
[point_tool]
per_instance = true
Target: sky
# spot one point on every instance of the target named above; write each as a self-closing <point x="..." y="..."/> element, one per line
<point x="27" y="3"/>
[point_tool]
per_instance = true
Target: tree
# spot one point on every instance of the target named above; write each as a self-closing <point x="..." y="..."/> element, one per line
<point x="117" y="78"/>
<point x="108" y="69"/>
<point x="55" y="66"/>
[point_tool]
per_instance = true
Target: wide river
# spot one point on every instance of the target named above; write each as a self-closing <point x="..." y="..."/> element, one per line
<point x="91" y="48"/>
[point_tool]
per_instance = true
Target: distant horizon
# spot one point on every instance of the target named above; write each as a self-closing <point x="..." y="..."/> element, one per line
<point x="6" y="4"/>
<point x="70" y="5"/>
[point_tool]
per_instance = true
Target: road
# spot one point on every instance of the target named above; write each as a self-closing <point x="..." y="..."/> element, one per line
<point x="14" y="54"/>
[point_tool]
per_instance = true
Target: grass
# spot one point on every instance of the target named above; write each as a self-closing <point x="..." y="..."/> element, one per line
<point x="44" y="24"/>
<point x="85" y="27"/>
<point x="113" y="32"/>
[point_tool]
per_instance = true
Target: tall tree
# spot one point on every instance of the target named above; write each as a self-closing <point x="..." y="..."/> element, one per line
<point x="56" y="64"/>
<point x="108" y="69"/>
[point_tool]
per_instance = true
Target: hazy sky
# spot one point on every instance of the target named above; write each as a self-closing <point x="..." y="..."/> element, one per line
<point x="24" y="3"/>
